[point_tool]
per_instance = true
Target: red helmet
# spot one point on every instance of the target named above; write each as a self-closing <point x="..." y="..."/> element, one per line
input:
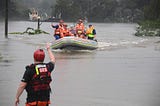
<point x="39" y="55"/>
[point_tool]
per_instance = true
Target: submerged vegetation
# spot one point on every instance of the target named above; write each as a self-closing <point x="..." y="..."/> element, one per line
<point x="30" y="31"/>
<point x="148" y="28"/>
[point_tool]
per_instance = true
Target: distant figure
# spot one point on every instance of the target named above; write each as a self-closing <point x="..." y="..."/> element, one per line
<point x="91" y="32"/>
<point x="36" y="80"/>
<point x="34" y="15"/>
<point x="58" y="33"/>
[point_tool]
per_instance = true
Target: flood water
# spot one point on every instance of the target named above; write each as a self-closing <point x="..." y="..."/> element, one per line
<point x="123" y="71"/>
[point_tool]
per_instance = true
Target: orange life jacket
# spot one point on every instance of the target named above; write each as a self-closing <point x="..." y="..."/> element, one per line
<point x="66" y="32"/>
<point x="59" y="30"/>
<point x="80" y="27"/>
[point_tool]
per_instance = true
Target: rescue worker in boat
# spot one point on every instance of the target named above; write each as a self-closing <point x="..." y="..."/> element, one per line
<point x="80" y="29"/>
<point x="58" y="33"/>
<point x="36" y="80"/>
<point x="91" y="32"/>
<point x="72" y="30"/>
<point x="66" y="31"/>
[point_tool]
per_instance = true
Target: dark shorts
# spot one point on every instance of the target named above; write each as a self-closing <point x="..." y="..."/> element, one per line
<point x="57" y="37"/>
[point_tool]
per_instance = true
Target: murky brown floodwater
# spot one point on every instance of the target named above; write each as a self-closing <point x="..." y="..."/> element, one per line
<point x="124" y="71"/>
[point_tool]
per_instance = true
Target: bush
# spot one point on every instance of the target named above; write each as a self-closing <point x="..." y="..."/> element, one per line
<point x="148" y="28"/>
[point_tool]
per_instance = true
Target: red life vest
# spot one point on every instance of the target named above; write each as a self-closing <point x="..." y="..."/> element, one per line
<point x="41" y="79"/>
<point x="57" y="31"/>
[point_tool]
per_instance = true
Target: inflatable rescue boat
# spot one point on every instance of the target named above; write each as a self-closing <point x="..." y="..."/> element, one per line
<point x="74" y="43"/>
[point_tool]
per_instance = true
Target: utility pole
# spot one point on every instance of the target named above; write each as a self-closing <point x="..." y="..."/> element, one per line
<point x="38" y="27"/>
<point x="6" y="19"/>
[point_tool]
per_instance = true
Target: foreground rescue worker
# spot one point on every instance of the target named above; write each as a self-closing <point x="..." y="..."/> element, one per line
<point x="58" y="33"/>
<point x="91" y="32"/>
<point x="36" y="80"/>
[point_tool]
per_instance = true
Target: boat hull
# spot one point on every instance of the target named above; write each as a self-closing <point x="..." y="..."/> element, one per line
<point x="74" y="43"/>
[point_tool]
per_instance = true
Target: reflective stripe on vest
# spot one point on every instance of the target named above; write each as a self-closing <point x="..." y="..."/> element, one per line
<point x="90" y="35"/>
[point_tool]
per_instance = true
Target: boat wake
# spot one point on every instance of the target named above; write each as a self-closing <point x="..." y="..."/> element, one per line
<point x="105" y="45"/>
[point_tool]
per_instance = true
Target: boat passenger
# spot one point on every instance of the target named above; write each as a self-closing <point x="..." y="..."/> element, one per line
<point x="91" y="32"/>
<point x="80" y="29"/>
<point x="72" y="30"/>
<point x="59" y="30"/>
<point x="66" y="31"/>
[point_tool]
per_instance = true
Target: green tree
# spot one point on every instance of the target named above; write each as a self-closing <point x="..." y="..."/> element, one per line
<point x="62" y="7"/>
<point x="12" y="9"/>
<point x="103" y="10"/>
<point x="152" y="11"/>
<point x="108" y="10"/>
<point x="71" y="9"/>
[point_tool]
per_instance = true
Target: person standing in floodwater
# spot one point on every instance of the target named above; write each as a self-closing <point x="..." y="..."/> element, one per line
<point x="36" y="80"/>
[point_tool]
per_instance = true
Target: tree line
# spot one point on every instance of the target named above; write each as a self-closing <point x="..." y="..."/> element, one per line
<point x="109" y="10"/>
<point x="93" y="10"/>
<point x="150" y="26"/>
<point x="15" y="10"/>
